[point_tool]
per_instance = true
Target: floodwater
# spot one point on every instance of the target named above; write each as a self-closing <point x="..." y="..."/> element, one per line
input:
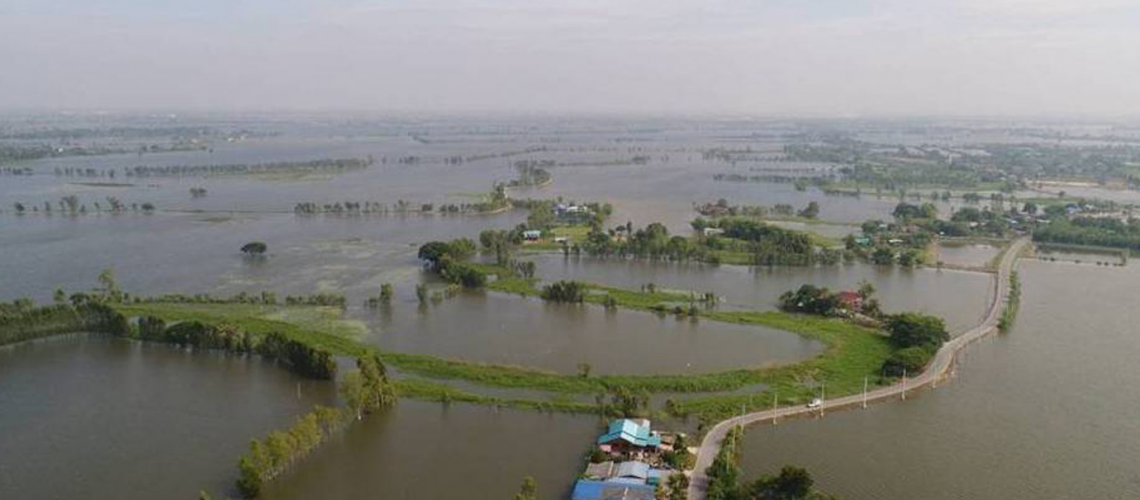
<point x="98" y="418"/>
<point x="504" y="329"/>
<point x="1045" y="411"/>
<point x="966" y="254"/>
<point x="95" y="417"/>
<point x="421" y="450"/>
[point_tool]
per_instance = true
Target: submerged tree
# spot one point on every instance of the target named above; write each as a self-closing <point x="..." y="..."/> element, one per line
<point x="528" y="490"/>
<point x="254" y="248"/>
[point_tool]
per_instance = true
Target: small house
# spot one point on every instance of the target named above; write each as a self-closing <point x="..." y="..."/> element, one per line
<point x="713" y="231"/>
<point x="532" y="235"/>
<point x="851" y="301"/>
<point x="626" y="434"/>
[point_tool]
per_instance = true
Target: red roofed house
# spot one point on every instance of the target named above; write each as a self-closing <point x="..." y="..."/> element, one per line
<point x="851" y="301"/>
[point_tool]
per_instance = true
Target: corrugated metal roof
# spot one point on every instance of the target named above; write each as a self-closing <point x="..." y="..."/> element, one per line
<point x="597" y="490"/>
<point x="636" y="432"/>
<point x="638" y="470"/>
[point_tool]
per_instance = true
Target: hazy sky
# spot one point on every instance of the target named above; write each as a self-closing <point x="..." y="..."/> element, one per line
<point x="830" y="57"/>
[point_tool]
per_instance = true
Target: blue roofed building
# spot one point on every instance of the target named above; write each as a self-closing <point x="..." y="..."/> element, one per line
<point x="628" y="434"/>
<point x="586" y="489"/>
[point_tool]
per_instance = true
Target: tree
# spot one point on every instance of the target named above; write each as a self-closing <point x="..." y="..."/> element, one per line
<point x="917" y="330"/>
<point x="108" y="287"/>
<point x="564" y="291"/>
<point x="528" y="490"/>
<point x="810" y="299"/>
<point x="60" y="297"/>
<point x="909" y="360"/>
<point x="866" y="289"/>
<point x="811" y="211"/>
<point x="353" y="390"/>
<point x="254" y="248"/>
<point x="584" y="369"/>
<point x="432" y="251"/>
<point x="793" y="483"/>
<point x="678" y="484"/>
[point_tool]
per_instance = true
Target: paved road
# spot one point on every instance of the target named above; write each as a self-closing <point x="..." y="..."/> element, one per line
<point x="938" y="369"/>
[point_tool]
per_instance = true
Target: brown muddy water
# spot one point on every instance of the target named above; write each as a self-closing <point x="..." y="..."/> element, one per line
<point x="1047" y="410"/>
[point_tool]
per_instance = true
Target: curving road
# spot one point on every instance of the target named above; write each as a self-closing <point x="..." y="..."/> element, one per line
<point x="938" y="369"/>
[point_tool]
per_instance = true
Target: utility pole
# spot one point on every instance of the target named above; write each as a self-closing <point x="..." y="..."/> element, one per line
<point x="864" y="392"/>
<point x="775" y="406"/>
<point x="904" y="384"/>
<point x="822" y="396"/>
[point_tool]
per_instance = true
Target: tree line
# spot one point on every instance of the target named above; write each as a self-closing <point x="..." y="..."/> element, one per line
<point x="364" y="391"/>
<point x="333" y="165"/>
<point x="297" y="356"/>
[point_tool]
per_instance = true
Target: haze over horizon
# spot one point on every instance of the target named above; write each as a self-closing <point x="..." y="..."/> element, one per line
<point x="831" y="58"/>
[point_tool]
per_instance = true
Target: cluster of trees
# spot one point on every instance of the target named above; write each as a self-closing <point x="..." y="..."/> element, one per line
<point x="652" y="242"/>
<point x="385" y="297"/>
<point x="768" y="244"/>
<point x="399" y="207"/>
<point x="530" y="174"/>
<point x="888" y="244"/>
<point x="724" y="481"/>
<point x="272" y="455"/>
<point x="723" y="209"/>
<point x="564" y="291"/>
<point x="264" y="297"/>
<point x="546" y="214"/>
<point x="327" y="165"/>
<point x="297" y="356"/>
<point x="365" y="390"/>
<point x="22" y="320"/>
<point x="25" y="152"/>
<point x="446" y="258"/>
<point x="1096" y="231"/>
<point x="916" y="338"/>
<point x="71" y="205"/>
<point x="622" y="402"/>
<point x="810" y="299"/>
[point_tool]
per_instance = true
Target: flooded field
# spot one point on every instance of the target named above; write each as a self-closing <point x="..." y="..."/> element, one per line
<point x="486" y="453"/>
<point x="967" y="254"/>
<point x="1044" y="411"/>
<point x="79" y="412"/>
<point x="150" y="400"/>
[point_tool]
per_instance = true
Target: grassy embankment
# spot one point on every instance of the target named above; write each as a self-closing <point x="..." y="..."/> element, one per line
<point x="1013" y="302"/>
<point x="852" y="353"/>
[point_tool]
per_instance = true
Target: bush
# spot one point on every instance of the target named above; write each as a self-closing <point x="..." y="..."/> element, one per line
<point x="564" y="291"/>
<point x="911" y="359"/>
<point x="917" y="330"/>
